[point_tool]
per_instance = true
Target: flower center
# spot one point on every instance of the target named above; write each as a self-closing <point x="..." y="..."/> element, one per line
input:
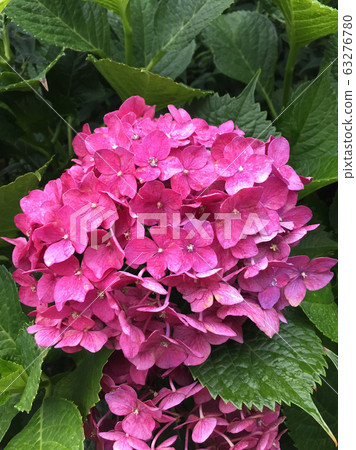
<point x="119" y="174"/>
<point x="135" y="137"/>
<point x="78" y="272"/>
<point x="66" y="236"/>
<point x="273" y="247"/>
<point x="135" y="411"/>
<point x="236" y="211"/>
<point x="33" y="288"/>
<point x="185" y="171"/>
<point x="160" y="250"/>
<point x="127" y="235"/>
<point x="114" y="146"/>
<point x="101" y="294"/>
<point x="240" y="169"/>
<point x="159" y="205"/>
<point x="94" y="205"/>
<point x="304" y="275"/>
<point x="164" y="344"/>
<point x="74" y="315"/>
<point x="190" y="247"/>
<point x="152" y="161"/>
<point x="274" y="282"/>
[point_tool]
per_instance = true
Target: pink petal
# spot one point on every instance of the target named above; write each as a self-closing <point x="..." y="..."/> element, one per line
<point x="58" y="252"/>
<point x="203" y="429"/>
<point x="295" y="291"/>
<point x="122" y="401"/>
<point x="139" y="425"/>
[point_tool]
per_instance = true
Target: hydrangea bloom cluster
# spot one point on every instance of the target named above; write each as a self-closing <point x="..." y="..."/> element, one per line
<point x="163" y="238"/>
<point x="181" y="414"/>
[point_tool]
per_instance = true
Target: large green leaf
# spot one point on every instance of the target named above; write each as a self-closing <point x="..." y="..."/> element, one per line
<point x="82" y="386"/>
<point x="305" y="433"/>
<point x="309" y="122"/>
<point x="32" y="357"/>
<point x="128" y="81"/>
<point x="321" y="309"/>
<point x="56" y="425"/>
<point x="242" y="110"/>
<point x="172" y="63"/>
<point x="12" y="318"/>
<point x="8" y="412"/>
<point x="243" y="42"/>
<point x="3" y="4"/>
<point x="10" y="81"/>
<point x="262" y="371"/>
<point x="316" y="243"/>
<point x="10" y="196"/>
<point x="307" y="20"/>
<point x="17" y="345"/>
<point x="78" y="25"/>
<point x="13" y="378"/>
<point x="177" y="22"/>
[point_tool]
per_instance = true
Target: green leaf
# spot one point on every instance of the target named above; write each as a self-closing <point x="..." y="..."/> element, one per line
<point x="3" y="4"/>
<point x="262" y="371"/>
<point x="177" y="23"/>
<point x="32" y="357"/>
<point x="13" y="378"/>
<point x="128" y="81"/>
<point x="243" y="42"/>
<point x="309" y="123"/>
<point x="316" y="243"/>
<point x="12" y="318"/>
<point x="10" y="196"/>
<point x="57" y="425"/>
<point x="321" y="309"/>
<point x="304" y="431"/>
<point x="334" y="358"/>
<point x="7" y="413"/>
<point x="82" y="386"/>
<point x="17" y="344"/>
<point x="242" y="110"/>
<point x="81" y="26"/>
<point x="307" y="20"/>
<point x="10" y="81"/>
<point x="173" y="63"/>
<point x="330" y="54"/>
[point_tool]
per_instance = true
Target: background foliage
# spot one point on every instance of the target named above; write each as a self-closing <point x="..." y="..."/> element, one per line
<point x="67" y="62"/>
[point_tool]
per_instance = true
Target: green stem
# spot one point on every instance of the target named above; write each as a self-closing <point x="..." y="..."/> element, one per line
<point x="288" y="75"/>
<point x="154" y="60"/>
<point x="271" y="107"/>
<point x="5" y="39"/>
<point x="126" y="23"/>
<point x="56" y="132"/>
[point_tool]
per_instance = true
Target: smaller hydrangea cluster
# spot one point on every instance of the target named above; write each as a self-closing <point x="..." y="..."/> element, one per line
<point x="142" y="416"/>
<point x="163" y="238"/>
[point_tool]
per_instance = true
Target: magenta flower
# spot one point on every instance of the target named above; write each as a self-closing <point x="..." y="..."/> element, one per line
<point x="151" y="155"/>
<point x="154" y="199"/>
<point x="118" y="171"/>
<point x="311" y="275"/>
<point x="241" y="167"/>
<point x="278" y="150"/>
<point x="139" y="421"/>
<point x="197" y="236"/>
<point x="198" y="171"/>
<point x="160" y="254"/>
